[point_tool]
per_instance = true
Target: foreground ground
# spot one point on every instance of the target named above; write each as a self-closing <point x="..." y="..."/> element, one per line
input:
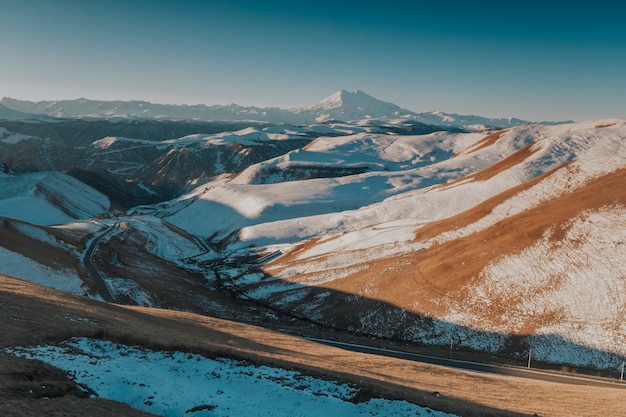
<point x="32" y="315"/>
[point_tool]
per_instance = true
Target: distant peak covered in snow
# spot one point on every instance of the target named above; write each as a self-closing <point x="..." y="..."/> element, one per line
<point x="348" y="98"/>
<point x="343" y="105"/>
<point x="353" y="105"/>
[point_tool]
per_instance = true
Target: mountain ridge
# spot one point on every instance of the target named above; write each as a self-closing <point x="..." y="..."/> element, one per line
<point x="342" y="105"/>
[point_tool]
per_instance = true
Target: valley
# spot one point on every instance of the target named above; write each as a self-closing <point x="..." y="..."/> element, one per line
<point x="351" y="220"/>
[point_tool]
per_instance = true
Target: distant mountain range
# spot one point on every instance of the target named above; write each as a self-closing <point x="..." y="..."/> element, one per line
<point x="342" y="106"/>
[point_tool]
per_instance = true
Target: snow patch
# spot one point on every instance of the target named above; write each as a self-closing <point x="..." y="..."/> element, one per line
<point x="19" y="266"/>
<point x="175" y="384"/>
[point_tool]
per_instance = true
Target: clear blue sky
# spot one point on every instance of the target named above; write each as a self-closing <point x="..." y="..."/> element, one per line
<point x="536" y="60"/>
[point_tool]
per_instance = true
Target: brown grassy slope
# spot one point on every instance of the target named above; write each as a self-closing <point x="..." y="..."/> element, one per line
<point x="424" y="277"/>
<point x="31" y="314"/>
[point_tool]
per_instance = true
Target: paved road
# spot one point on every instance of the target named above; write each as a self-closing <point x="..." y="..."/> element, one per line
<point x="474" y="366"/>
<point x="101" y="286"/>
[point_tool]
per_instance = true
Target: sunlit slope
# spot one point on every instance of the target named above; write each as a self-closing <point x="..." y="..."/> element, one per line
<point x="342" y="184"/>
<point x="545" y="257"/>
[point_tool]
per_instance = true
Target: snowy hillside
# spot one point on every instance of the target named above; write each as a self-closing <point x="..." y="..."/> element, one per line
<point x="18" y="265"/>
<point x="49" y="198"/>
<point x="399" y="230"/>
<point x="529" y="261"/>
<point x="342" y="105"/>
<point x="362" y="170"/>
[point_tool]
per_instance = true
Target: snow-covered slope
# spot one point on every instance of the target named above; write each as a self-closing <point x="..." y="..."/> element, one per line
<point x="316" y="190"/>
<point x="48" y="198"/>
<point x="44" y="255"/>
<point x="329" y="176"/>
<point x="342" y="105"/>
<point x="18" y="265"/>
<point x="542" y="258"/>
<point x="490" y="236"/>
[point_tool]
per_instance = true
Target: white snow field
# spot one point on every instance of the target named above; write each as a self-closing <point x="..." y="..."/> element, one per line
<point x="393" y="205"/>
<point x="177" y="384"/>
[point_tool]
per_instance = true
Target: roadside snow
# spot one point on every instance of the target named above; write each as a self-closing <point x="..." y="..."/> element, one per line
<point x="177" y="384"/>
<point x="162" y="240"/>
<point x="130" y="289"/>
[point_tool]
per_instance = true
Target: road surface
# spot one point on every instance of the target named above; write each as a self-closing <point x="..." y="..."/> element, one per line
<point x="474" y="366"/>
<point x="101" y="286"/>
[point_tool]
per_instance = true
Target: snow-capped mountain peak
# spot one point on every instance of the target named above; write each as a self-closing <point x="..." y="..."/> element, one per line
<point x="353" y="105"/>
<point x="344" y="98"/>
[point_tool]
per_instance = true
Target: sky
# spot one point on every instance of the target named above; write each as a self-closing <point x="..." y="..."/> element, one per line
<point x="534" y="60"/>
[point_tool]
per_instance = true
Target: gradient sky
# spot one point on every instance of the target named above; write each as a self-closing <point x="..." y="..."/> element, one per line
<point x="536" y="60"/>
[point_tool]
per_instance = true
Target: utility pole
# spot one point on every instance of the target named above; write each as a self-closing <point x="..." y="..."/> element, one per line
<point x="530" y="352"/>
<point x="451" y="339"/>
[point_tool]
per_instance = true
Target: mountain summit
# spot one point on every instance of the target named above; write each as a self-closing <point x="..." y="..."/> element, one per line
<point x="354" y="105"/>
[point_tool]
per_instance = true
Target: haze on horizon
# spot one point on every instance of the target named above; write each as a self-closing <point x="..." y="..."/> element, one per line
<point x="531" y="60"/>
